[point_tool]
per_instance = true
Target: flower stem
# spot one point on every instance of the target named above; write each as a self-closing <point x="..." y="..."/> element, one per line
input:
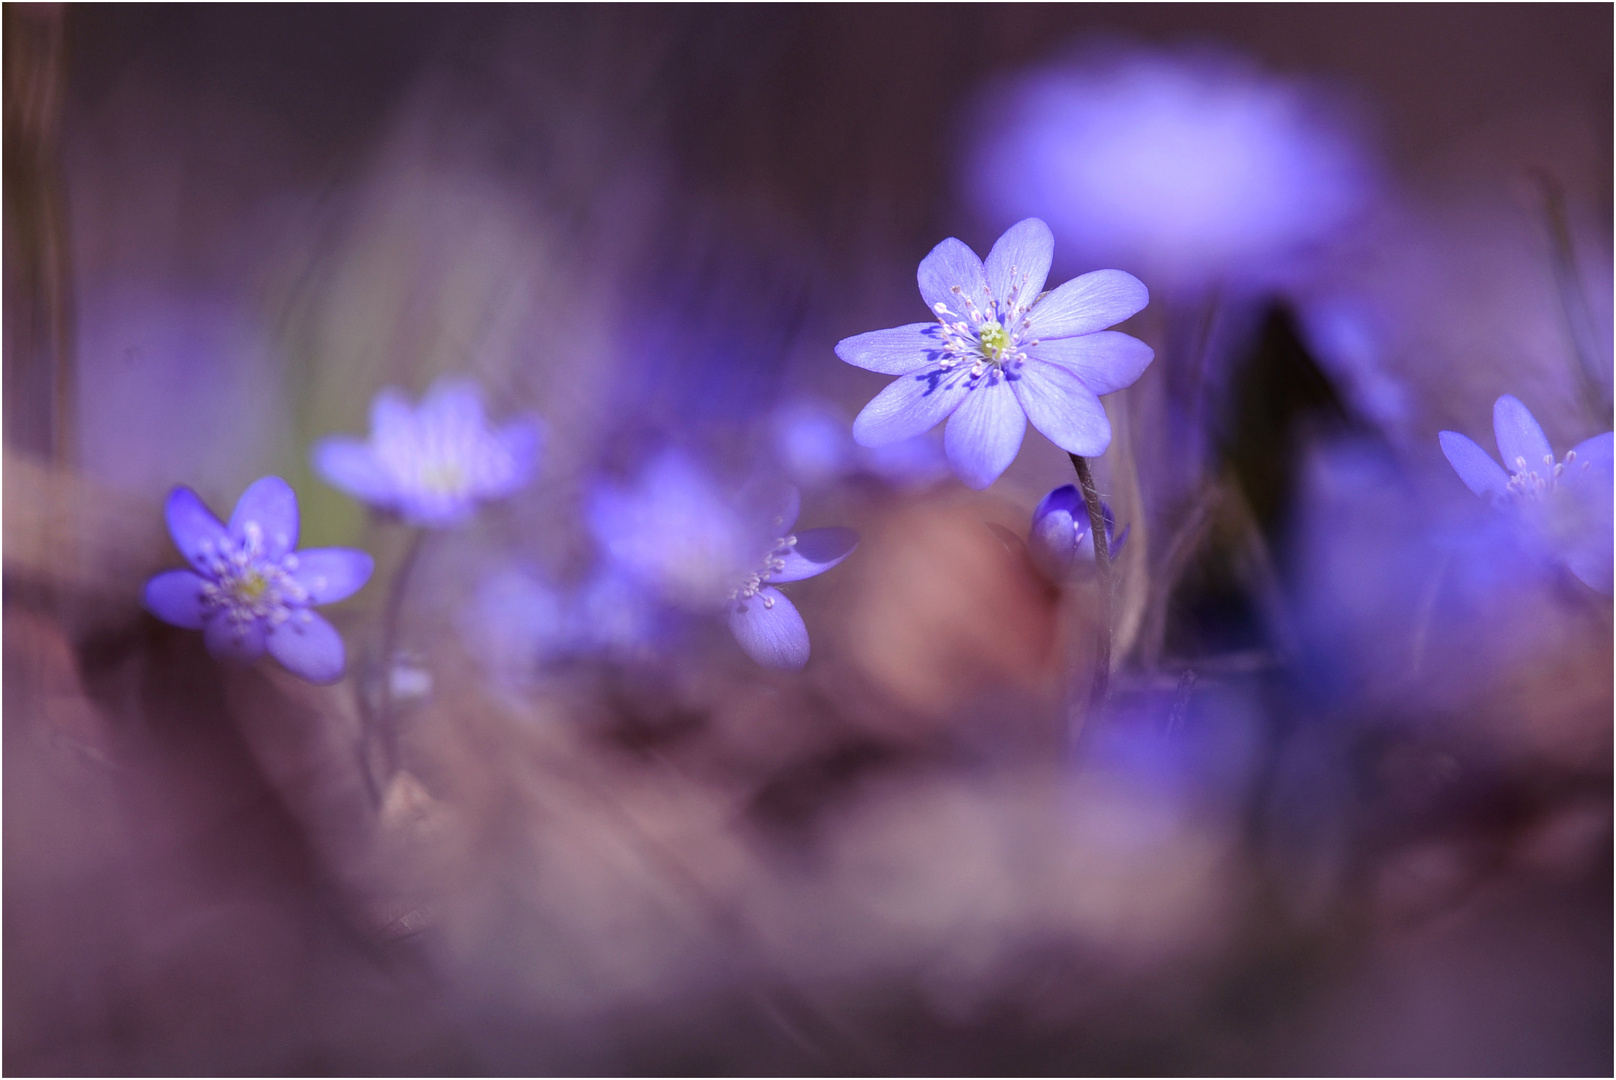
<point x="382" y="725"/>
<point x="1102" y="564"/>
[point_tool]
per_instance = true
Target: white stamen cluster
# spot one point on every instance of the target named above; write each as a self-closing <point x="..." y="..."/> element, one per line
<point x="753" y="583"/>
<point x="988" y="336"/>
<point x="1525" y="483"/>
<point x="246" y="586"/>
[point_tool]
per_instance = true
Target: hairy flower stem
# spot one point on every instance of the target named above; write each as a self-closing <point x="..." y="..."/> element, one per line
<point x="1102" y="564"/>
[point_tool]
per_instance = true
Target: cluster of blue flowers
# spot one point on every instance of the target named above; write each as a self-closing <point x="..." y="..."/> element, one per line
<point x="999" y="351"/>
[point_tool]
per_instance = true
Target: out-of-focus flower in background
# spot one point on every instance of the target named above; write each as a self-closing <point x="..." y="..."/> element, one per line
<point x="813" y="440"/>
<point x="249" y="591"/>
<point x="1061" y="541"/>
<point x="676" y="534"/>
<point x="1567" y="504"/>
<point x="431" y="465"/>
<point x="1186" y="168"/>
<point x="1002" y="352"/>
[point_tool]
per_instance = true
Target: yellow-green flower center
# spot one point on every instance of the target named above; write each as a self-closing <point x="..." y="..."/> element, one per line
<point x="250" y="587"/>
<point x="442" y="477"/>
<point x="994" y="340"/>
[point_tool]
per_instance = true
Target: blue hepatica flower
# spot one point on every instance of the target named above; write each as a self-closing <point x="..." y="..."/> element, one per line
<point x="677" y="536"/>
<point x="247" y="590"/>
<point x="1001" y="353"/>
<point x="1566" y="504"/>
<point x="1061" y="541"/>
<point x="433" y="464"/>
<point x="1193" y="167"/>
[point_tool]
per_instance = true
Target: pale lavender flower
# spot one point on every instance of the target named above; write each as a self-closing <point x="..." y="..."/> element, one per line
<point x="1566" y="504"/>
<point x="431" y="465"/>
<point x="1060" y="540"/>
<point x="677" y="536"/>
<point x="1002" y="352"/>
<point x="247" y="590"/>
<point x="1190" y="167"/>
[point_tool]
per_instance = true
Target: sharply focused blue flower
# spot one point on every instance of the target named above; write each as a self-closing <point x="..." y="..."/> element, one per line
<point x="1002" y="352"/>
<point x="247" y="590"/>
<point x="676" y="535"/>
<point x="1567" y="504"/>
<point x="433" y="464"/>
<point x="1192" y="168"/>
<point x="1060" y="539"/>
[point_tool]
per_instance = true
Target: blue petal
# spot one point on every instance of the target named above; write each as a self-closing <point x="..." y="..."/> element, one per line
<point x="984" y="434"/>
<point x="1053" y="539"/>
<point x="816" y="551"/>
<point x="391" y="417"/>
<point x="773" y="635"/>
<point x="308" y="646"/>
<point x="1480" y="473"/>
<point x="270" y="505"/>
<point x="769" y="504"/>
<point x="1064" y="499"/>
<point x="196" y="532"/>
<point x="350" y="465"/>
<point x="951" y="265"/>
<point x="1063" y="408"/>
<point x="1106" y="361"/>
<point x="452" y="403"/>
<point x="1520" y="438"/>
<point x="175" y="596"/>
<point x="1088" y="303"/>
<point x="1593" y="463"/>
<point x="228" y="640"/>
<point x="1019" y="265"/>
<point x="898" y="351"/>
<point x="332" y="574"/>
<point x="910" y="405"/>
<point x="521" y="440"/>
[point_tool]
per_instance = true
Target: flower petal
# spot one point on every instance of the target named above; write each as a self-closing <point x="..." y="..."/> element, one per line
<point x="1018" y="265"/>
<point x="175" y="596"/>
<point x="332" y="574"/>
<point x="910" y="405"/>
<point x="308" y="646"/>
<point x="1063" y="408"/>
<point x="1106" y="361"/>
<point x="950" y="266"/>
<point x="229" y="640"/>
<point x="1593" y="463"/>
<point x="769" y="504"/>
<point x="196" y="532"/>
<point x="770" y="630"/>
<point x="452" y="403"/>
<point x="1088" y="303"/>
<point x="391" y="417"/>
<point x="1520" y="438"/>
<point x="349" y="465"/>
<point x="1055" y="531"/>
<point x="517" y="445"/>
<point x="270" y="506"/>
<point x="816" y="551"/>
<point x="898" y="351"/>
<point x="1480" y="473"/>
<point x="984" y="434"/>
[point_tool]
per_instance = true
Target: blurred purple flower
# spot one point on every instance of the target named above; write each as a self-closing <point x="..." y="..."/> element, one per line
<point x="1566" y="504"/>
<point x="1002" y="352"/>
<point x="1061" y="540"/>
<point x="814" y="441"/>
<point x="1188" y="168"/>
<point x="248" y="591"/>
<point x="433" y="464"/>
<point x="677" y="536"/>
